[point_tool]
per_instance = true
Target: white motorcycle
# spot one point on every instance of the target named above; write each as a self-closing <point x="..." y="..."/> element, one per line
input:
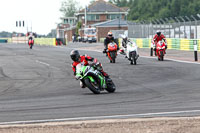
<point x="131" y="52"/>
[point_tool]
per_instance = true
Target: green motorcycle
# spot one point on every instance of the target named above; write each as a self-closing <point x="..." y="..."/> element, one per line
<point x="93" y="79"/>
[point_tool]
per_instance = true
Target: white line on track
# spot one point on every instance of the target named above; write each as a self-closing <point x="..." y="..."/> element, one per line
<point x="46" y="64"/>
<point x="103" y="117"/>
<point x="188" y="62"/>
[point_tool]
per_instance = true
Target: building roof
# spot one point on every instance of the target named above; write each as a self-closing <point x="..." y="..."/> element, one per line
<point x="112" y="23"/>
<point x="103" y="6"/>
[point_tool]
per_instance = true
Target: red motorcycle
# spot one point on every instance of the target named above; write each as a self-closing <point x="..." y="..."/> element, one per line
<point x="30" y="43"/>
<point x="160" y="50"/>
<point x="112" y="52"/>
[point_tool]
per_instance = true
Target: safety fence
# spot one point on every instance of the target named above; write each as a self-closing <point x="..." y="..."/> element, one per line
<point x="172" y="43"/>
<point x="177" y="44"/>
<point x="24" y="40"/>
<point x="45" y="41"/>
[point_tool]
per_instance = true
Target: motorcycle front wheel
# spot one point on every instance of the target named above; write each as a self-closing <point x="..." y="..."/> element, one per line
<point x="31" y="46"/>
<point x="133" y="58"/>
<point x="161" y="55"/>
<point x="110" y="87"/>
<point x="93" y="87"/>
<point x="113" y="56"/>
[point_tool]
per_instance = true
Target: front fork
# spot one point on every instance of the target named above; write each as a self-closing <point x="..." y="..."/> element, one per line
<point x="103" y="82"/>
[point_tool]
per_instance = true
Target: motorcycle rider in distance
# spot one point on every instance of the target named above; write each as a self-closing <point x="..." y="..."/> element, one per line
<point x="30" y="39"/>
<point x="108" y="40"/>
<point x="159" y="37"/>
<point x="124" y="44"/>
<point x="125" y="40"/>
<point x="77" y="58"/>
<point x="30" y="36"/>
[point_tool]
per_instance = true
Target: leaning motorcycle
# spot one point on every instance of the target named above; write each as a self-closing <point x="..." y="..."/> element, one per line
<point x="31" y="43"/>
<point x="112" y="52"/>
<point x="160" y="50"/>
<point x="93" y="79"/>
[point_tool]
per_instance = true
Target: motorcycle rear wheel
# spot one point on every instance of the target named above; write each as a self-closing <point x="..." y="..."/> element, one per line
<point x="92" y="87"/>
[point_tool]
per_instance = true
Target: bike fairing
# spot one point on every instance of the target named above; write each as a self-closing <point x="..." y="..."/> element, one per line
<point x="83" y="59"/>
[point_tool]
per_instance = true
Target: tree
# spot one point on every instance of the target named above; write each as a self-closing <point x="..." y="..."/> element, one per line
<point x="156" y="9"/>
<point x="120" y="3"/>
<point x="78" y="26"/>
<point x="69" y="8"/>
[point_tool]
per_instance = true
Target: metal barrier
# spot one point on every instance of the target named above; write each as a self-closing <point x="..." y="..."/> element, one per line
<point x="179" y="28"/>
<point x="172" y="43"/>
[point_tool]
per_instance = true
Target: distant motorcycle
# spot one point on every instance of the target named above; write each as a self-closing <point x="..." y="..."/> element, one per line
<point x="112" y="52"/>
<point x="31" y="43"/>
<point x="160" y="50"/>
<point x="131" y="52"/>
<point x="93" y="79"/>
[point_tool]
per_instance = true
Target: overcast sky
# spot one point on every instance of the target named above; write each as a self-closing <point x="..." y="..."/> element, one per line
<point x="43" y="14"/>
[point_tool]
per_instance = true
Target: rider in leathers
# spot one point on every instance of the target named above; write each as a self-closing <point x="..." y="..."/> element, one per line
<point x="159" y="37"/>
<point x="108" y="40"/>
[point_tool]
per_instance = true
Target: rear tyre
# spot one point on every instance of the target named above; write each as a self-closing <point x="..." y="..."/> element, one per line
<point x="94" y="88"/>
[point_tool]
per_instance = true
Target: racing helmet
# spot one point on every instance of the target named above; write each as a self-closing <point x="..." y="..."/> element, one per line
<point x="158" y="32"/>
<point x="75" y="55"/>
<point x="110" y="34"/>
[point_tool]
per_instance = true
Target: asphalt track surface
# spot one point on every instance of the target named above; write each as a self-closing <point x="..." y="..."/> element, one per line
<point x="38" y="85"/>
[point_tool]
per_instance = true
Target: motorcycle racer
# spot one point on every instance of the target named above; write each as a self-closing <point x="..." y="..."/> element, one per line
<point x="159" y="37"/>
<point x="108" y="40"/>
<point x="77" y="58"/>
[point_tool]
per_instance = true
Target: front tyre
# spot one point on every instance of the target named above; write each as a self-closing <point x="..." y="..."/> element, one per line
<point x="93" y="87"/>
<point x="31" y="46"/>
<point x="110" y="87"/>
<point x="161" y="55"/>
<point x="133" y="58"/>
<point x="113" y="56"/>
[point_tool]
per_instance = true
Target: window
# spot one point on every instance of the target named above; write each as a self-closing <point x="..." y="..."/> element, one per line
<point x="92" y="17"/>
<point x="65" y="21"/>
<point x="97" y="17"/>
<point x="113" y="16"/>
